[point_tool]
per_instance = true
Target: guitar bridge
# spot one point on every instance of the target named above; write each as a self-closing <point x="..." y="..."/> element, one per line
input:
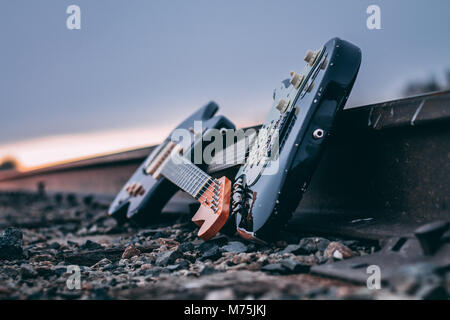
<point x="242" y="199"/>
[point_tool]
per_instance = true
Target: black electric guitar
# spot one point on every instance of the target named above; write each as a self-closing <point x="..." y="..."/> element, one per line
<point x="269" y="186"/>
<point x="170" y="168"/>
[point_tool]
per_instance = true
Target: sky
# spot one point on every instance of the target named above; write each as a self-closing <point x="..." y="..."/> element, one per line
<point x="137" y="68"/>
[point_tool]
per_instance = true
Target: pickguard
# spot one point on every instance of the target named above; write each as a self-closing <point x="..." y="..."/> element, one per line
<point x="272" y="135"/>
<point x="289" y="145"/>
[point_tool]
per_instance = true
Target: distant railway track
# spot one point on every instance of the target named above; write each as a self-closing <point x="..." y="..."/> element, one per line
<point x="385" y="172"/>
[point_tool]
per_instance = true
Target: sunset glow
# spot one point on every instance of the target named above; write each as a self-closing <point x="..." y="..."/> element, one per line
<point x="45" y="151"/>
<point x="39" y="152"/>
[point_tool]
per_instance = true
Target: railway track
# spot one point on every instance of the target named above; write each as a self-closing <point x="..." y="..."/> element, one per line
<point x="386" y="171"/>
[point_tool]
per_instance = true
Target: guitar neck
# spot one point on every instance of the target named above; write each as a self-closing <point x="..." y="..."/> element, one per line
<point x="187" y="176"/>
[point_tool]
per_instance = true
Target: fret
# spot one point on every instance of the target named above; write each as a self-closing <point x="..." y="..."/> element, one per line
<point x="198" y="183"/>
<point x="199" y="191"/>
<point x="206" y="182"/>
<point x="188" y="179"/>
<point x="168" y="172"/>
<point x="191" y="185"/>
<point x="182" y="171"/>
<point x="191" y="178"/>
<point x="187" y="176"/>
<point x="193" y="181"/>
<point x="196" y="178"/>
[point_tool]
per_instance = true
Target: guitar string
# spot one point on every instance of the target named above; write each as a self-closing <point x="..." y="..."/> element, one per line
<point x="174" y="176"/>
<point x="195" y="169"/>
<point x="211" y="180"/>
<point x="235" y="158"/>
<point x="201" y="174"/>
<point x="206" y="187"/>
<point x="174" y="170"/>
<point x="202" y="192"/>
<point x="239" y="154"/>
<point x="206" y="179"/>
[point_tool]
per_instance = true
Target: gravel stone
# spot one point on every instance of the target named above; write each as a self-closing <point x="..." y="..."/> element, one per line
<point x="130" y="252"/>
<point x="292" y="248"/>
<point x="312" y="245"/>
<point x="91" y="245"/>
<point x="28" y="272"/>
<point x="167" y="257"/>
<point x="338" y="250"/>
<point x="235" y="247"/>
<point x="212" y="253"/>
<point x="274" y="268"/>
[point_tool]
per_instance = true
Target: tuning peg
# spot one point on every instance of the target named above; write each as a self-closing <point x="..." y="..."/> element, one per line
<point x="237" y="208"/>
<point x="296" y="79"/>
<point x="238" y="190"/>
<point x="237" y="197"/>
<point x="311" y="57"/>
<point x="282" y="105"/>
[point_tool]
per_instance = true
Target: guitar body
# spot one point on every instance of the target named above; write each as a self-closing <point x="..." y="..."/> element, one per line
<point x="144" y="196"/>
<point x="269" y="186"/>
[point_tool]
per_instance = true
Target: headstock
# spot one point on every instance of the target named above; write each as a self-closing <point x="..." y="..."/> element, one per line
<point x="214" y="209"/>
<point x="153" y="168"/>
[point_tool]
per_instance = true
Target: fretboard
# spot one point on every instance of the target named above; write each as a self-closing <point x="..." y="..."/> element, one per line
<point x="234" y="155"/>
<point x="187" y="176"/>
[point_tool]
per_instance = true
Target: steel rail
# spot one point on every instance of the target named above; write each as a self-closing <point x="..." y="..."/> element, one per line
<point x="385" y="172"/>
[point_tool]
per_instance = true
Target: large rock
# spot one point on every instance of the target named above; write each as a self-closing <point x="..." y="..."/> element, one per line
<point x="101" y="264"/>
<point x="292" y="248"/>
<point x="205" y="246"/>
<point x="235" y="247"/>
<point x="91" y="245"/>
<point x="276" y="268"/>
<point x="293" y="266"/>
<point x="286" y="266"/>
<point x="186" y="246"/>
<point x="168" y="257"/>
<point x="213" y="253"/>
<point x="11" y="244"/>
<point x="312" y="244"/>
